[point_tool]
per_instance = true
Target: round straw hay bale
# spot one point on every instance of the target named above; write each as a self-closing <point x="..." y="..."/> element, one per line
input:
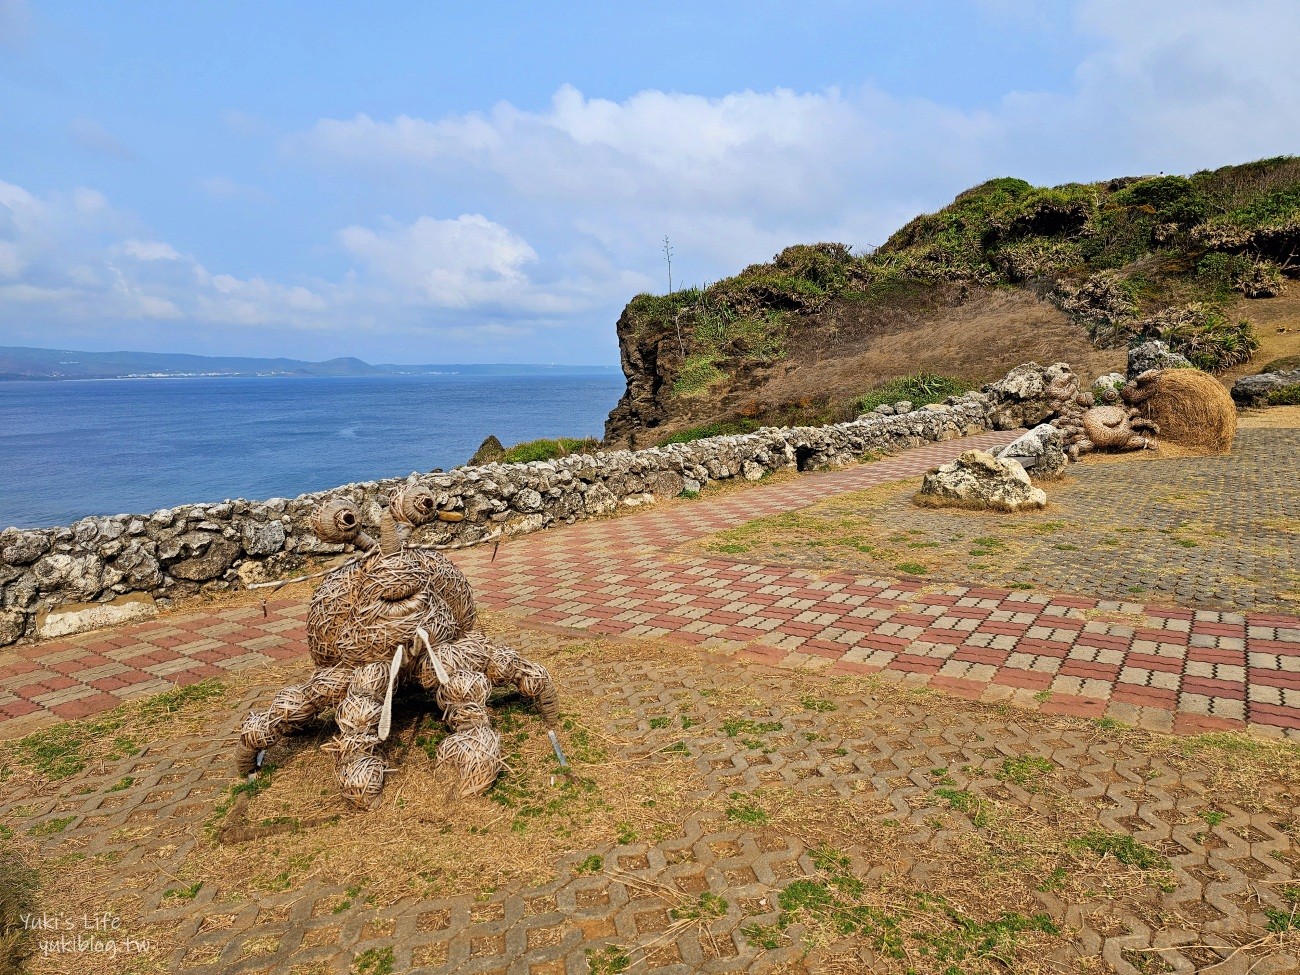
<point x="1193" y="410"/>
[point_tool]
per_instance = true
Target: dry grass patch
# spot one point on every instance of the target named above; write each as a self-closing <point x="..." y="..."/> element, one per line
<point x="419" y="838"/>
<point x="1273" y="418"/>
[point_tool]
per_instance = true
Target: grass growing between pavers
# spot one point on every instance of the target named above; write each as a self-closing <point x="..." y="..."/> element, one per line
<point x="936" y="835"/>
<point x="992" y="838"/>
<point x="1119" y="527"/>
<point x="47" y="866"/>
<point x="66" y="748"/>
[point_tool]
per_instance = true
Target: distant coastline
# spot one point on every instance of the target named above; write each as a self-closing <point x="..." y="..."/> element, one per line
<point x="23" y="364"/>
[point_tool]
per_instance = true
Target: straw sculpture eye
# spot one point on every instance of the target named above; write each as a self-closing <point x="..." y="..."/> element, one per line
<point x="394" y="614"/>
<point x="336" y="521"/>
<point x="412" y="504"/>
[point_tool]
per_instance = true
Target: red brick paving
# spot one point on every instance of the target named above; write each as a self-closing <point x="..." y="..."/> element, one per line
<point x="1182" y="669"/>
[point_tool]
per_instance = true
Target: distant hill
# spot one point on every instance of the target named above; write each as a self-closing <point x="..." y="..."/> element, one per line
<point x="18" y="363"/>
<point x="1005" y="273"/>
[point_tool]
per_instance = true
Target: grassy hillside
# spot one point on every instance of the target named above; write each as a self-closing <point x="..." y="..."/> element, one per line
<point x="1006" y="268"/>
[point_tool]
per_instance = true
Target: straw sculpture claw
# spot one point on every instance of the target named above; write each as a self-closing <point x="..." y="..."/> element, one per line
<point x="396" y="614"/>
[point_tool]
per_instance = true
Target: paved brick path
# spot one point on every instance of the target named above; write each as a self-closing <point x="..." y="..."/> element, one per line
<point x="1163" y="667"/>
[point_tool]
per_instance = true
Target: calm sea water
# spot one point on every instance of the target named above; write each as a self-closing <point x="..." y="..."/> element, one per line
<point x="72" y="449"/>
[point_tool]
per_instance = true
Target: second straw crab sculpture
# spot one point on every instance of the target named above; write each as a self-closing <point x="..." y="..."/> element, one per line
<point x="393" y="615"/>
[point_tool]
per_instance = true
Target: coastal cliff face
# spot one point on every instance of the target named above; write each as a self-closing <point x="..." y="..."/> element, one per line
<point x="1006" y="272"/>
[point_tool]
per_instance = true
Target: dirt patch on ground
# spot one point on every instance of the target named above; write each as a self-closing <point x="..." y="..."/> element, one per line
<point x="1273" y="418"/>
<point x="1213" y="532"/>
<point x="737" y="817"/>
<point x="1277" y="326"/>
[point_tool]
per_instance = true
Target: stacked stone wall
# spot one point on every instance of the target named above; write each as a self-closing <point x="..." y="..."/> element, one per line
<point x="114" y="568"/>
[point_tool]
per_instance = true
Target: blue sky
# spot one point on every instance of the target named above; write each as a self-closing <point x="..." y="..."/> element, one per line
<point x="434" y="182"/>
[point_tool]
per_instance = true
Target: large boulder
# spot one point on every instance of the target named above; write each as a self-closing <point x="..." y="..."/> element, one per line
<point x="70" y="576"/>
<point x="977" y="479"/>
<point x="262" y="538"/>
<point x="1030" y="394"/>
<point x="1040" y="451"/>
<point x="209" y="557"/>
<point x="489" y="451"/>
<point x="139" y="568"/>
<point x="1154" y="355"/>
<point x="22" y="548"/>
<point x="1256" y="390"/>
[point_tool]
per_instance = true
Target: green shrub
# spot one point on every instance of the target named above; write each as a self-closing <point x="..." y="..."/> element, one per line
<point x="1005" y="231"/>
<point x="1227" y="274"/>
<point x="919" y="389"/>
<point x="1204" y="334"/>
<point x="1286" y="396"/>
<point x="544" y="449"/>
<point x="1168" y="199"/>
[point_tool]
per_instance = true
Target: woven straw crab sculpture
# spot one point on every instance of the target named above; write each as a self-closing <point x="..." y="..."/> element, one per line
<point x="1115" y="423"/>
<point x="395" y="614"/>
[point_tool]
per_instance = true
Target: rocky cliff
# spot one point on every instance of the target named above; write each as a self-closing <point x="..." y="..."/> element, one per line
<point x="1006" y="272"/>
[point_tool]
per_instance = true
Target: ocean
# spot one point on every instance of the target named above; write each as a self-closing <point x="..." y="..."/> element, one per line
<point x="72" y="449"/>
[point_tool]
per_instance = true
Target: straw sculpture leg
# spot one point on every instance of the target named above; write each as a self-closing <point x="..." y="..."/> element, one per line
<point x="360" y="769"/>
<point x="462" y="675"/>
<point x="291" y="708"/>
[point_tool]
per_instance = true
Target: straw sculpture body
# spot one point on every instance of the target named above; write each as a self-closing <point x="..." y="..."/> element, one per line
<point x="394" y="615"/>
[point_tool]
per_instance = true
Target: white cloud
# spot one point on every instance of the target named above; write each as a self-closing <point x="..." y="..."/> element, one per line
<point x="463" y="263"/>
<point x="732" y="179"/>
<point x="73" y="255"/>
<point x="149" y="250"/>
<point x="68" y="255"/>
